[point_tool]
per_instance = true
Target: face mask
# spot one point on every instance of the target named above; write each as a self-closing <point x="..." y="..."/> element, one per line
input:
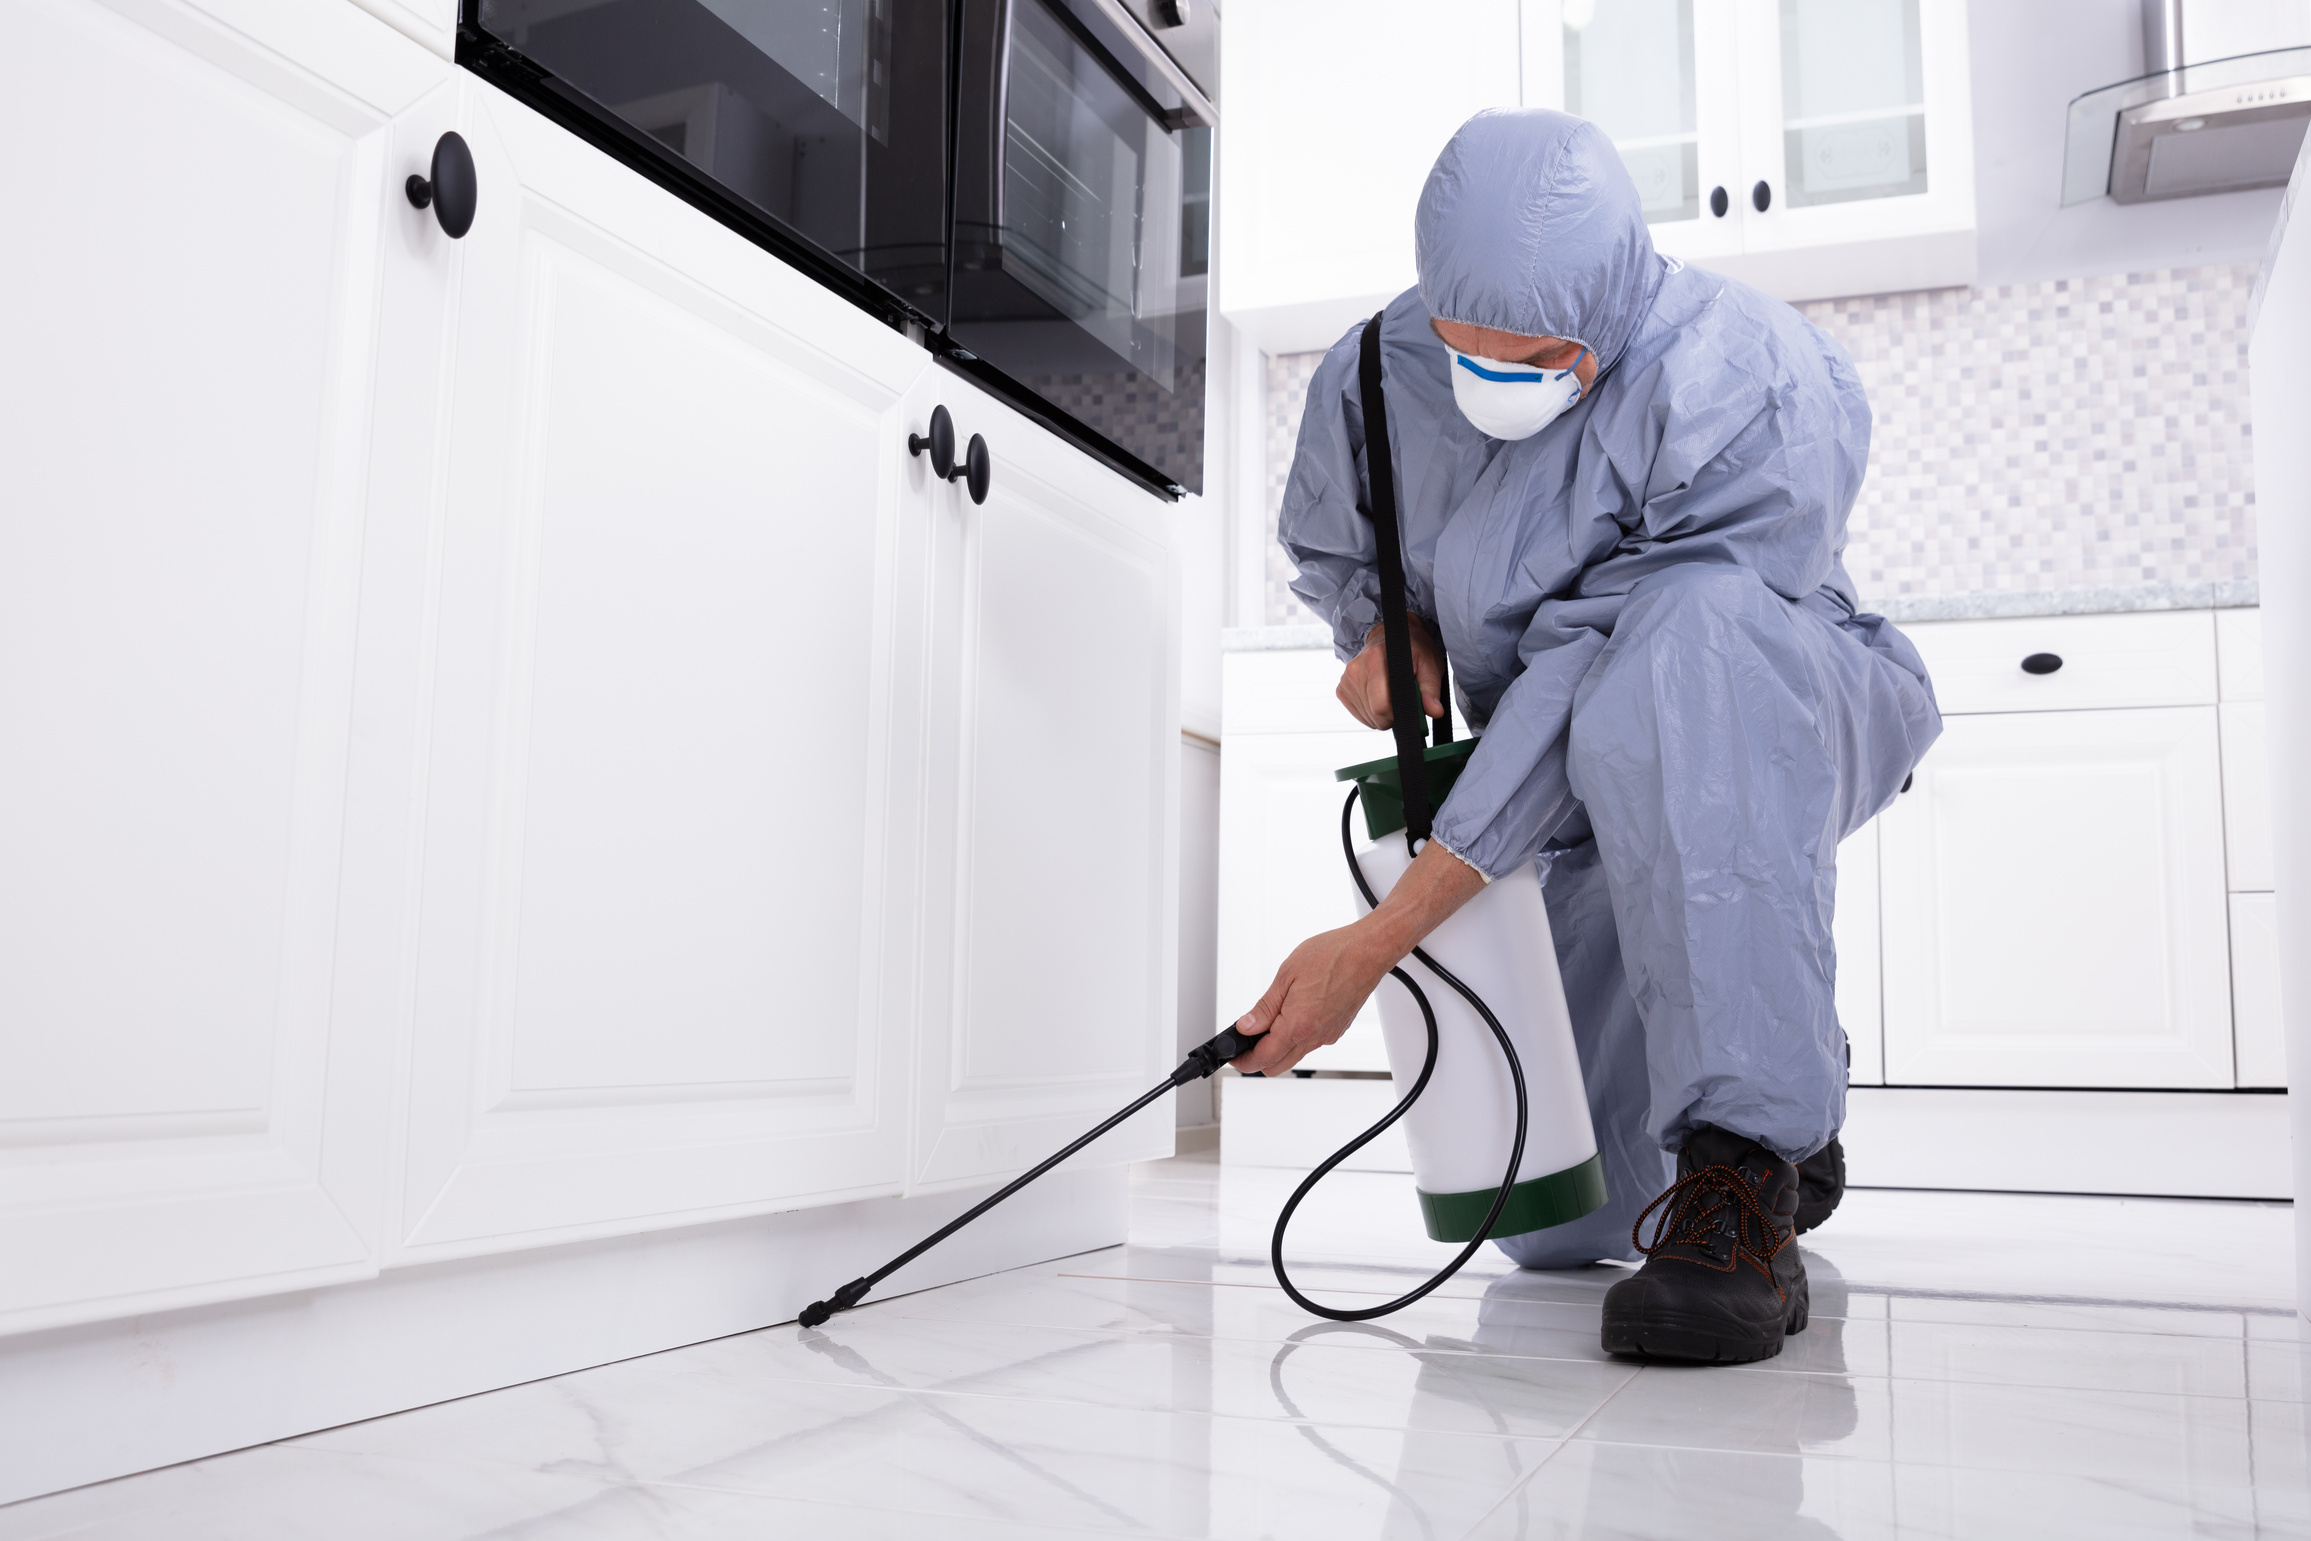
<point x="1511" y="401"/>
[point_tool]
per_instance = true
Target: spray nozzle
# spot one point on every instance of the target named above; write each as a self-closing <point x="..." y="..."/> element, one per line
<point x="816" y="1313"/>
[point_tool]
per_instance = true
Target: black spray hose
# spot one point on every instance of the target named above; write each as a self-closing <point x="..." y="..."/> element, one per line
<point x="1419" y="1085"/>
<point x="1202" y="1062"/>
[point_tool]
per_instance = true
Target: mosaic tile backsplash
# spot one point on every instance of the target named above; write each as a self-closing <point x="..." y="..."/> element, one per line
<point x="2078" y="433"/>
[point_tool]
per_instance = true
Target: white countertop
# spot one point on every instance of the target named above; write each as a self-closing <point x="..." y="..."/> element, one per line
<point x="2227" y="595"/>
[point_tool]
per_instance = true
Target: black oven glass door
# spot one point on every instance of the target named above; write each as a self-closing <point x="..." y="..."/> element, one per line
<point x="828" y="116"/>
<point x="1082" y="227"/>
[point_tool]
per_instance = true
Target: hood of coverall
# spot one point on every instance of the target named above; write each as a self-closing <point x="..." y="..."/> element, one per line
<point x="1529" y="224"/>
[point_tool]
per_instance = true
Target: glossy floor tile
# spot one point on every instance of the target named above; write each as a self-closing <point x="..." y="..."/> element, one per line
<point x="1977" y="1365"/>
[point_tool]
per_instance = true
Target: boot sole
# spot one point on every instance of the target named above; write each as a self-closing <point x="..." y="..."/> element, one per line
<point x="1701" y="1340"/>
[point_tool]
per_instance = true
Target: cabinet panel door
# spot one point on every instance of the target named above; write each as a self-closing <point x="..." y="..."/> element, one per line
<point x="1854" y="932"/>
<point x="2258" y="1033"/>
<point x="1655" y="76"/>
<point x="667" y="629"/>
<point x="1050" y="906"/>
<point x="185" y="1112"/>
<point x="1856" y="116"/>
<point x="2054" y="907"/>
<point x="1282" y="878"/>
<point x="2247" y="796"/>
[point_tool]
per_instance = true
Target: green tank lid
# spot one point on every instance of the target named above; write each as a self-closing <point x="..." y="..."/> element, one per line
<point x="1383" y="794"/>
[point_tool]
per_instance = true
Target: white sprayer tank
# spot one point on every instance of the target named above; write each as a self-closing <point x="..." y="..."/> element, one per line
<point x="1461" y="1129"/>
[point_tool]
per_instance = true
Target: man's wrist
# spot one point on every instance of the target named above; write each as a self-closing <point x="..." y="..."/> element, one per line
<point x="1381" y="945"/>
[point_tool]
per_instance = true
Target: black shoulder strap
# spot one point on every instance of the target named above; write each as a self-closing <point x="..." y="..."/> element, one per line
<point x="1403" y="687"/>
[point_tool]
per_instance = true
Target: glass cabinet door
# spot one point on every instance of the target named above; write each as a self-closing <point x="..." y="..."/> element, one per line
<point x="1854" y="127"/>
<point x="1637" y="69"/>
<point x="1853" y="101"/>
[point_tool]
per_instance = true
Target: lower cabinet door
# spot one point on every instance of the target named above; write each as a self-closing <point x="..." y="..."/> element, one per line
<point x="654" y="977"/>
<point x="1854" y="933"/>
<point x="1050" y="905"/>
<point x="2054" y="904"/>
<point x="2259" y="1036"/>
<point x="191" y="1108"/>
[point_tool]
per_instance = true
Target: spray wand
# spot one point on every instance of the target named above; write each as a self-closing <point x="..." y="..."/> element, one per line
<point x="1200" y="1063"/>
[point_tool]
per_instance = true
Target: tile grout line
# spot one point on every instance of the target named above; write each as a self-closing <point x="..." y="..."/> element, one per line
<point x="1540" y="1465"/>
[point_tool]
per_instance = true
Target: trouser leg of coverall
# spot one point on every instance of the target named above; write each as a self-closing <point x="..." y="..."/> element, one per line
<point x="1610" y="1038"/>
<point x="1722" y="745"/>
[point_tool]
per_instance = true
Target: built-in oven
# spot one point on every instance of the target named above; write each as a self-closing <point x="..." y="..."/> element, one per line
<point x="1025" y="182"/>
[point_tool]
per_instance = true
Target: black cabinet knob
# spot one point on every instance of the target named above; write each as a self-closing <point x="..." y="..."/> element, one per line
<point x="1718" y="202"/>
<point x="1908" y="780"/>
<point x="2042" y="663"/>
<point x="453" y="189"/>
<point x="940" y="441"/>
<point x="1170" y="13"/>
<point x="1761" y="197"/>
<point x="978" y="470"/>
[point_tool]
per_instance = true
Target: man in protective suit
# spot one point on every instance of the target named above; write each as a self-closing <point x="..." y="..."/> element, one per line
<point x="1623" y="487"/>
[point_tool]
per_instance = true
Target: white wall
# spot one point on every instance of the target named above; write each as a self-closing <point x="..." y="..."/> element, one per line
<point x="2030" y="58"/>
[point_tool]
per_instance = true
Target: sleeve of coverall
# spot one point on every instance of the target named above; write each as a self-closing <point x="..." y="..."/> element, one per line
<point x="1322" y="526"/>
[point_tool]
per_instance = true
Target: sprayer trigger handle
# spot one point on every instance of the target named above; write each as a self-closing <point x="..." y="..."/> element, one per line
<point x="1210" y="1055"/>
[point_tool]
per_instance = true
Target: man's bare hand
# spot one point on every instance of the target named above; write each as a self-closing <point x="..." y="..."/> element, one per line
<point x="1327" y="979"/>
<point x="1317" y="994"/>
<point x="1364" y="683"/>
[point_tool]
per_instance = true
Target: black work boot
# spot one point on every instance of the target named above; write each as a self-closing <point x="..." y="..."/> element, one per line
<point x="1722" y="1282"/>
<point x="1821" y="1182"/>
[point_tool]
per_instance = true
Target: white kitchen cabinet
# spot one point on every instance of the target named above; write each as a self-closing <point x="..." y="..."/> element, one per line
<point x="2247" y="797"/>
<point x="1854" y="933"/>
<point x="190" y="1108"/>
<point x="1282" y="877"/>
<point x="1336" y="111"/>
<point x="2155" y="658"/>
<point x="1849" y="120"/>
<point x="666" y="884"/>
<point x="499" y="733"/>
<point x="2260" y="1037"/>
<point x="494" y="722"/>
<point x="2259" y="1044"/>
<point x="1657" y="77"/>
<point x="430" y="22"/>
<point x="2054" y="908"/>
<point x="1051" y="788"/>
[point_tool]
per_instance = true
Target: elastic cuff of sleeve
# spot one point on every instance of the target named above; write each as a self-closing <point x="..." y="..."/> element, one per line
<point x="1464" y="861"/>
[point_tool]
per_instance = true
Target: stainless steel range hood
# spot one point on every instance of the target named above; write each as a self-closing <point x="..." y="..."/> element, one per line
<point x="2215" y="114"/>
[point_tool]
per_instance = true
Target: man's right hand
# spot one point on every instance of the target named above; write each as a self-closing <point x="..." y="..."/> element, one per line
<point x="1364" y="683"/>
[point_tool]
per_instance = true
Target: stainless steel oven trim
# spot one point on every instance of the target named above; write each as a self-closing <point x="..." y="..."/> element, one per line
<point x="1149" y="50"/>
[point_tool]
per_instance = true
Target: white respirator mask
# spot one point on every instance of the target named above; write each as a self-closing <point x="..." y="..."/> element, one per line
<point x="1512" y="401"/>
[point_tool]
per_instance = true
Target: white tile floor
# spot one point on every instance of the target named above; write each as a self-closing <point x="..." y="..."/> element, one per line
<point x="1978" y="1366"/>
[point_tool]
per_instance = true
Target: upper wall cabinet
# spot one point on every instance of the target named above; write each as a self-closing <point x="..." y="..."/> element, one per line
<point x="1810" y="147"/>
<point x="1336" y="111"/>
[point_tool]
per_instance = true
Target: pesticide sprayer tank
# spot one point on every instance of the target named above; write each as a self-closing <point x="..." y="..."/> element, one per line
<point x="1461" y="1128"/>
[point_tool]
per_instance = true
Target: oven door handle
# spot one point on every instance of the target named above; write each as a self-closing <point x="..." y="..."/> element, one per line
<point x="1198" y="111"/>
